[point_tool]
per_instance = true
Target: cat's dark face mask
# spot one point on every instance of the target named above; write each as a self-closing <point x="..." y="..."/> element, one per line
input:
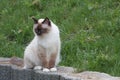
<point x="43" y="27"/>
<point x="40" y="31"/>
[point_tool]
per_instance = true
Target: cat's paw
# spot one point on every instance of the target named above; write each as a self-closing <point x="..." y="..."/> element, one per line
<point x="53" y="69"/>
<point x="24" y="67"/>
<point x="37" y="68"/>
<point x="46" y="70"/>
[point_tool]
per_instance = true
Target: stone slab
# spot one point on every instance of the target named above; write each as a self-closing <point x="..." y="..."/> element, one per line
<point x="5" y="72"/>
<point x="9" y="71"/>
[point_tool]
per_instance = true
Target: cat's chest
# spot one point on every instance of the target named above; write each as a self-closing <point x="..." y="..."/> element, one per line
<point x="46" y="43"/>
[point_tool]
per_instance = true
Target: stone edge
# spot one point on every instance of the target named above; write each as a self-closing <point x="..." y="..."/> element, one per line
<point x="15" y="73"/>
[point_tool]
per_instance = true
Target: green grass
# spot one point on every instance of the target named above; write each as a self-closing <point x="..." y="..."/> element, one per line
<point x="90" y="30"/>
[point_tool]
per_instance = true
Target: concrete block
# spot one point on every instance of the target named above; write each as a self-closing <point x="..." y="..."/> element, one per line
<point x="5" y="72"/>
<point x="21" y="74"/>
<point x="39" y="75"/>
<point x="8" y="71"/>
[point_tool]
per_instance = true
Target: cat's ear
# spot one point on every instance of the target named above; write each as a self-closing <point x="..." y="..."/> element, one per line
<point x="35" y="20"/>
<point x="47" y="21"/>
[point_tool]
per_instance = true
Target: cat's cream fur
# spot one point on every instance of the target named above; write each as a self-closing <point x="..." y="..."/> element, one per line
<point x="44" y="50"/>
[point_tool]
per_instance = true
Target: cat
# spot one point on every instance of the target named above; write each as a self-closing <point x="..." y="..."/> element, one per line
<point x="44" y="50"/>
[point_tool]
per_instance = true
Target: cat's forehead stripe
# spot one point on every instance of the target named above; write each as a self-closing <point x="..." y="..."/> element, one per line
<point x="44" y="25"/>
<point x="40" y="21"/>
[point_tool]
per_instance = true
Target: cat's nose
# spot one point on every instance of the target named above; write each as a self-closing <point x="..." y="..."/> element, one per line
<point x="40" y="32"/>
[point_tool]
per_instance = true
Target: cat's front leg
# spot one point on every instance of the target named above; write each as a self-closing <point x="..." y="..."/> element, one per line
<point x="52" y="61"/>
<point x="45" y="65"/>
